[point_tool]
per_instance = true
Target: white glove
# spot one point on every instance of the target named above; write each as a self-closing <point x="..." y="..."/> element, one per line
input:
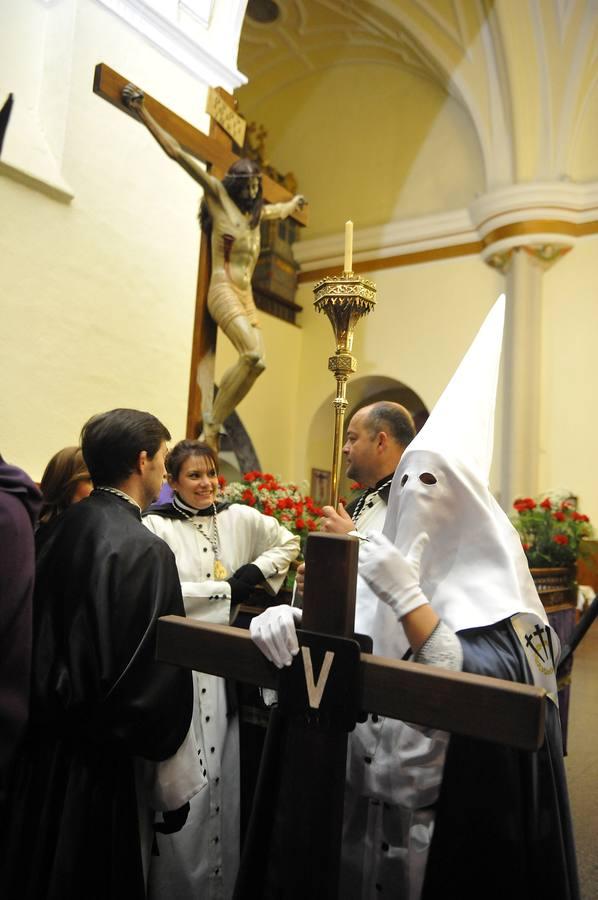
<point x="394" y="578"/>
<point x="274" y="633"/>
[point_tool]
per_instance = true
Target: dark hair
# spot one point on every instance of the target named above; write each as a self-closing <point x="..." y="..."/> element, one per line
<point x="112" y="442"/>
<point x="59" y="481"/>
<point x="392" y="418"/>
<point x="182" y="451"/>
<point x="233" y="181"/>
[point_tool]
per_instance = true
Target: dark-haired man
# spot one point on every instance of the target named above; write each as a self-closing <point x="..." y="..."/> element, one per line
<point x="98" y="697"/>
<point x="231" y="212"/>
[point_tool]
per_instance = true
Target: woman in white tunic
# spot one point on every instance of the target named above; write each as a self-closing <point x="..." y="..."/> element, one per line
<point x="221" y="551"/>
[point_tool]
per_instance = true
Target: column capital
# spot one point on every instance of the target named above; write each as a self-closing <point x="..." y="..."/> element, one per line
<point x="543" y="218"/>
<point x="544" y="254"/>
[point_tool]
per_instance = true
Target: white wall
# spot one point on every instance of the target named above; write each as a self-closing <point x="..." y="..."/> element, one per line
<point x="97" y="293"/>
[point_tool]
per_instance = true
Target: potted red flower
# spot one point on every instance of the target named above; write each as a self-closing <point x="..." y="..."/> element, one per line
<point x="552" y="534"/>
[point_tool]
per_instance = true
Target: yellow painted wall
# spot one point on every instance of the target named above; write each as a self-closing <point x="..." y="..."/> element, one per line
<point x="425" y="318"/>
<point x="570" y="376"/>
<point x="584" y="151"/>
<point x="269" y="411"/>
<point x="372" y="144"/>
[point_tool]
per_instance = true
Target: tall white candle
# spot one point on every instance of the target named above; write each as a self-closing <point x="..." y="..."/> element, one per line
<point x="349" y="246"/>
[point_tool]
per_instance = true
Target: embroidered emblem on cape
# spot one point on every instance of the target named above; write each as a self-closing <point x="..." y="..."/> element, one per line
<point x="540" y="646"/>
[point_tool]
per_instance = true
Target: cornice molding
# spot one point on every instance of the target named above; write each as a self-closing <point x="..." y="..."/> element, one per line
<point x="176" y="43"/>
<point x="386" y="241"/>
<point x="564" y="200"/>
<point x="541" y="214"/>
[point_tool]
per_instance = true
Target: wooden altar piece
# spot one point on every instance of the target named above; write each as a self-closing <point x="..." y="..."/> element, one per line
<point x="216" y="150"/>
<point x="298" y="811"/>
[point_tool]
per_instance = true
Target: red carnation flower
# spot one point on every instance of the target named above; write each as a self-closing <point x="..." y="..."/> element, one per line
<point x="311" y="525"/>
<point x="300" y="523"/>
<point x="560" y="539"/>
<point x="579" y="517"/>
<point x="546" y="504"/>
<point x="559" y="516"/>
<point x="524" y="503"/>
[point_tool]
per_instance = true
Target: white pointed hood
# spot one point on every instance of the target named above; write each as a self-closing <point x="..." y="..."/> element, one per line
<point x="473" y="569"/>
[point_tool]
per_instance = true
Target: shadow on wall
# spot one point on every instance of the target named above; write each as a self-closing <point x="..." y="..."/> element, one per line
<point x="360" y="392"/>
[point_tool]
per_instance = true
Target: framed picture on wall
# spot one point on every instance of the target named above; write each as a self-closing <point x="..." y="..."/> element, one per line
<point x="320" y="486"/>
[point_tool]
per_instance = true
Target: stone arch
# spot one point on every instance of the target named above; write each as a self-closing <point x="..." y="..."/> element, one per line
<point x="361" y="391"/>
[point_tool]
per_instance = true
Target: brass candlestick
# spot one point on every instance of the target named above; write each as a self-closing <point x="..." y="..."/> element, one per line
<point x="345" y="299"/>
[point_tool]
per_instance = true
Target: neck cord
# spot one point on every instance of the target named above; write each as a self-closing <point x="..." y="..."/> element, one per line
<point x="375" y="492"/>
<point x="213" y="538"/>
<point x="117" y="493"/>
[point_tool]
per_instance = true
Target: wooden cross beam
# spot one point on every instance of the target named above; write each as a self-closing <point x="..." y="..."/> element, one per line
<point x="298" y="807"/>
<point x="473" y="705"/>
<point x="217" y="152"/>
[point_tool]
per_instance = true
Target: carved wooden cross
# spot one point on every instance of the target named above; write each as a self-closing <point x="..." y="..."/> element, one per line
<point x="298" y="808"/>
<point x="216" y="150"/>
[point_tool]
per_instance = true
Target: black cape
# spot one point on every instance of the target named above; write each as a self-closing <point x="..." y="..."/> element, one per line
<point x="98" y="699"/>
<point x="20" y="503"/>
<point x="503" y="823"/>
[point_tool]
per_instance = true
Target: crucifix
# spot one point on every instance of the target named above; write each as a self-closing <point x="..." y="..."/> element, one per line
<point x="298" y="808"/>
<point x="230" y="215"/>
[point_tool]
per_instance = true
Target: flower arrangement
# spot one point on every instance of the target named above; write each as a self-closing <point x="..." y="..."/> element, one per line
<point x="284" y="501"/>
<point x="551" y="532"/>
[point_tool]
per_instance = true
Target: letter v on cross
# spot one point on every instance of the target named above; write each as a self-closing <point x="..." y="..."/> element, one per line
<point x="315" y="689"/>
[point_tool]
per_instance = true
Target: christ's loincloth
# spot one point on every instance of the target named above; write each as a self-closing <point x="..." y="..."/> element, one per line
<point x="226" y="301"/>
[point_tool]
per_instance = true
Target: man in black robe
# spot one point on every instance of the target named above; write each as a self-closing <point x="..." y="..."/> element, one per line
<point x="98" y="697"/>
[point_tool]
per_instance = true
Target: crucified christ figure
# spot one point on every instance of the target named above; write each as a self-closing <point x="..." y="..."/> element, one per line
<point x="230" y="215"/>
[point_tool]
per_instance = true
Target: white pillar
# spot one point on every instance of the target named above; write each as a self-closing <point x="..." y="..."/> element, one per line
<point x="521" y="376"/>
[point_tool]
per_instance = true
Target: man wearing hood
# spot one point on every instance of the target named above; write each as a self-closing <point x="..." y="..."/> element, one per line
<point x="451" y="569"/>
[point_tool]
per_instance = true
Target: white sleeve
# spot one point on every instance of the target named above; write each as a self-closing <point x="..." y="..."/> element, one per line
<point x="207" y="600"/>
<point x="274" y="545"/>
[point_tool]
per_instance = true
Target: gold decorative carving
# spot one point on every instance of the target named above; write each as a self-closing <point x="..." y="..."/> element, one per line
<point x="342" y="363"/>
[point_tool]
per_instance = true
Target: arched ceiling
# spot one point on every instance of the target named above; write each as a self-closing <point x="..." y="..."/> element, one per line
<point x="390" y="109"/>
<point x="360" y="110"/>
<point x="313" y="35"/>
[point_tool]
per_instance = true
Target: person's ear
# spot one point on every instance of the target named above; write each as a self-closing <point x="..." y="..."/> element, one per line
<point x="142" y="461"/>
<point x="382" y="441"/>
<point x="171" y="481"/>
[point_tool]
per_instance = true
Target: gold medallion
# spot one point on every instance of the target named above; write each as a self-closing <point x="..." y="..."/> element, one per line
<point x="220" y="573"/>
